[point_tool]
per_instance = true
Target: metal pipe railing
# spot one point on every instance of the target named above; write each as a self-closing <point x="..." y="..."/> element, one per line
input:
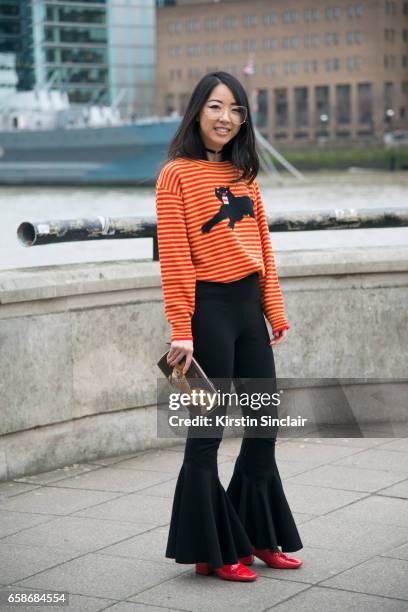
<point x="108" y="228"/>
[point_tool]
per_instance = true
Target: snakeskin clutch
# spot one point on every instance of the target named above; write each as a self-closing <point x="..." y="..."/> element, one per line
<point x="194" y="379"/>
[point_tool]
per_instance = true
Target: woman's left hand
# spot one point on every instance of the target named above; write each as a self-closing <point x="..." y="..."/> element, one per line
<point x="277" y="337"/>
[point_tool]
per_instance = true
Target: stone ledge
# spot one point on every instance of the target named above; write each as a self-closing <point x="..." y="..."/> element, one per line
<point x="50" y="282"/>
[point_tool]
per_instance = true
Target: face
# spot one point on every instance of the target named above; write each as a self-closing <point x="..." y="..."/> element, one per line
<point x="216" y="132"/>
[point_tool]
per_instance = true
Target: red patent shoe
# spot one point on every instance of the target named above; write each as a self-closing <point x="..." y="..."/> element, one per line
<point x="235" y="571"/>
<point x="277" y="559"/>
<point x="248" y="560"/>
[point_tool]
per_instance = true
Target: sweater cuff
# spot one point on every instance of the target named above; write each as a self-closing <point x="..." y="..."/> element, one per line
<point x="182" y="331"/>
<point x="278" y="329"/>
<point x="279" y="325"/>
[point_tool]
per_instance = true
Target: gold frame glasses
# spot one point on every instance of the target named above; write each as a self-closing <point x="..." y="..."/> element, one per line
<point x="237" y="114"/>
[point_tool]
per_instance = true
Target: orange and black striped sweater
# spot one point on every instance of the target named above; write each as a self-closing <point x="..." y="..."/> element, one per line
<point x="211" y="229"/>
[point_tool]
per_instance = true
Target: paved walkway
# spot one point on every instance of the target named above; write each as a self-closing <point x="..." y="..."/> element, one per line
<point x="99" y="530"/>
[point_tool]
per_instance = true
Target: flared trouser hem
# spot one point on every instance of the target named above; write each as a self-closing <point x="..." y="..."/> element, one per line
<point x="213" y="525"/>
<point x="204" y="526"/>
<point x="257" y="494"/>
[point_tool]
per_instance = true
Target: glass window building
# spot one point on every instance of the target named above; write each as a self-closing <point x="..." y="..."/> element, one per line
<point x="100" y="51"/>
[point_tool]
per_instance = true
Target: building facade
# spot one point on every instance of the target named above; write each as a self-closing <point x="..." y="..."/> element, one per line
<point x="100" y="51"/>
<point x="8" y="75"/>
<point x="132" y="54"/>
<point x="314" y="70"/>
<point x="16" y="37"/>
<point x="71" y="48"/>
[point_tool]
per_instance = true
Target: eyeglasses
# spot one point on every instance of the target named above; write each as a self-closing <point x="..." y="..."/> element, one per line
<point x="237" y="114"/>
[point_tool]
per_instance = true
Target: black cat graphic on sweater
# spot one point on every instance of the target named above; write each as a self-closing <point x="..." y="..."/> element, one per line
<point x="232" y="207"/>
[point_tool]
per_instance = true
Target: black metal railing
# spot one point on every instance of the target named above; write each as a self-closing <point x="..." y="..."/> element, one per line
<point x="114" y="228"/>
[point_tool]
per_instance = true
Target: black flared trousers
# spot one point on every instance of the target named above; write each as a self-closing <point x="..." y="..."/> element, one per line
<point x="208" y="523"/>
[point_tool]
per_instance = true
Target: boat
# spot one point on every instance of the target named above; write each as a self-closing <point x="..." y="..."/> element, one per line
<point x="44" y="139"/>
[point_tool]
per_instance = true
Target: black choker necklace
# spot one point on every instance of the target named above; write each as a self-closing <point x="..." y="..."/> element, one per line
<point x="212" y="150"/>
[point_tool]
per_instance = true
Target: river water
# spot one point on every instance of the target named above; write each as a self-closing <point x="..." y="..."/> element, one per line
<point x="354" y="188"/>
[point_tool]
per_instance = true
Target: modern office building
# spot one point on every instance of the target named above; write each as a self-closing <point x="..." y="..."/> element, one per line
<point x="314" y="69"/>
<point x="132" y="54"/>
<point x="8" y="75"/>
<point x="71" y="48"/>
<point x="96" y="50"/>
<point x="16" y="34"/>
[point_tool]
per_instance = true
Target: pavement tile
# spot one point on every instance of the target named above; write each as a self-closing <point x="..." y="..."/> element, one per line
<point x="317" y="500"/>
<point x="400" y="444"/>
<point x="114" y="479"/>
<point x="18" y="561"/>
<point x="400" y="552"/>
<point x="230" y="446"/>
<point x="400" y="489"/>
<point x="13" y="522"/>
<point x="103" y="576"/>
<point x="354" y="442"/>
<point x="376" y="509"/>
<point x="58" y="474"/>
<point x="313" y="455"/>
<point x="318" y="564"/>
<point x="164" y="489"/>
<point x="319" y="599"/>
<point x="377" y="576"/>
<point x="76" y="534"/>
<point x="136" y="507"/>
<point x="287" y="469"/>
<point x="104" y="461"/>
<point x="342" y="477"/>
<point x="177" y="448"/>
<point x="155" y="461"/>
<point x="376" y="459"/>
<point x="127" y="606"/>
<point x="59" y="500"/>
<point x="338" y="534"/>
<point x="150" y="545"/>
<point x="301" y="517"/>
<point x="196" y="593"/>
<point x="12" y="487"/>
<point x="225" y="472"/>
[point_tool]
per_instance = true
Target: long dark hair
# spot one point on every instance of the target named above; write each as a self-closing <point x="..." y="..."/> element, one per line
<point x="240" y="150"/>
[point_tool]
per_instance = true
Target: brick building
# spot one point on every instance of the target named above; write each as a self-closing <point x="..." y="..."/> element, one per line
<point x="315" y="70"/>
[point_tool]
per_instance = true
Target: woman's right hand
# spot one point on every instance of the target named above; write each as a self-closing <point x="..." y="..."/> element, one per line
<point x="178" y="350"/>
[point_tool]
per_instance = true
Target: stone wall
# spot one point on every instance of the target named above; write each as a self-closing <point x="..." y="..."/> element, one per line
<point x="79" y="345"/>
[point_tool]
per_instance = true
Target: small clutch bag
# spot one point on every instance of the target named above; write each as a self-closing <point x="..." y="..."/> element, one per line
<point x="194" y="379"/>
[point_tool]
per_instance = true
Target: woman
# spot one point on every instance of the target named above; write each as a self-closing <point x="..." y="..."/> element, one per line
<point x="219" y="279"/>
